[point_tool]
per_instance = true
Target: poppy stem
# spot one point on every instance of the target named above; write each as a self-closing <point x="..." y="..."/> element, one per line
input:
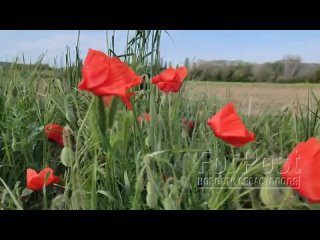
<point x="135" y="116"/>
<point x="81" y="127"/>
<point x="112" y="111"/>
<point x="45" y="201"/>
<point x="105" y="142"/>
<point x="102" y="116"/>
<point x="170" y="113"/>
<point x="102" y="122"/>
<point x="105" y="123"/>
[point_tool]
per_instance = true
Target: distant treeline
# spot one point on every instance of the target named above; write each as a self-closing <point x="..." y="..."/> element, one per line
<point x="290" y="69"/>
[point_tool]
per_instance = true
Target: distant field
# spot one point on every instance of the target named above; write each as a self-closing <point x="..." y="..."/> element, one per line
<point x="264" y="96"/>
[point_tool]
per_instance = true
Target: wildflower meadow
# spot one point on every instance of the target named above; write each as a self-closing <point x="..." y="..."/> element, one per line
<point x="121" y="131"/>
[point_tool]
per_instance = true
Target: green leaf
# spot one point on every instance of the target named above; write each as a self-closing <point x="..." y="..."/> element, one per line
<point x="15" y="146"/>
<point x="126" y="182"/>
<point x="315" y="206"/>
<point x="152" y="195"/>
<point x="169" y="204"/>
<point x="14" y="199"/>
<point x="107" y="194"/>
<point x="67" y="156"/>
<point x="270" y="197"/>
<point x="58" y="203"/>
<point x="116" y="141"/>
<point x="26" y="192"/>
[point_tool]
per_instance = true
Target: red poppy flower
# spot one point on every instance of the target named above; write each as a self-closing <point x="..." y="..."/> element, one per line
<point x="54" y="132"/>
<point x="170" y="80"/>
<point x="108" y="76"/>
<point x="228" y="126"/>
<point x="301" y="171"/>
<point x="187" y="123"/>
<point x="146" y="117"/>
<point x="36" y="181"/>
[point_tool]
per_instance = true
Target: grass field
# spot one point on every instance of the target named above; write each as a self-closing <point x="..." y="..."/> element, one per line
<point x="110" y="161"/>
<point x="261" y="97"/>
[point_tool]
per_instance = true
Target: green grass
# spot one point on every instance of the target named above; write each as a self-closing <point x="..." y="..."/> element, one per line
<point x="113" y="163"/>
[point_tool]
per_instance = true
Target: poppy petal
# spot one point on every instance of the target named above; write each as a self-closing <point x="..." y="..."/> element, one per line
<point x="107" y="76"/>
<point x="301" y="171"/>
<point x="31" y="173"/>
<point x="228" y="126"/>
<point x="56" y="179"/>
<point x="120" y="68"/>
<point x="54" y="132"/>
<point x="156" y="79"/>
<point x="36" y="181"/>
<point x="116" y="88"/>
<point x="95" y="69"/>
<point x="182" y="73"/>
<point x="168" y="75"/>
<point x="33" y="181"/>
<point x="82" y="85"/>
<point x="170" y="80"/>
<point x="126" y="101"/>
